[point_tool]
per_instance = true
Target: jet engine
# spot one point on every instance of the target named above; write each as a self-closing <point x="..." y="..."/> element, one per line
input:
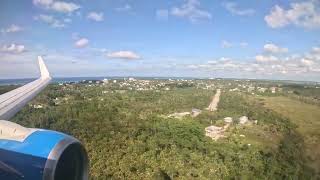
<point x="34" y="154"/>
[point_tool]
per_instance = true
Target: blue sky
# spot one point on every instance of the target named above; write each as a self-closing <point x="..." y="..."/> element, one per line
<point x="200" y="38"/>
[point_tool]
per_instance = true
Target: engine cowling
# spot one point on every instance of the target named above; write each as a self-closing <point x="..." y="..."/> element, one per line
<point x="33" y="154"/>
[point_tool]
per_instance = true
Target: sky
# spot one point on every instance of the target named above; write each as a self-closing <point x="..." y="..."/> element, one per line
<point x="274" y="39"/>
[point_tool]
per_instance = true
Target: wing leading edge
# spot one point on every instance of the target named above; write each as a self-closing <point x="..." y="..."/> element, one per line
<point x="13" y="101"/>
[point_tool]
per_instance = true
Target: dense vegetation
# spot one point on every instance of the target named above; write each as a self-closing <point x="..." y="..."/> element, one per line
<point x="128" y="136"/>
<point x="306" y="117"/>
<point x="306" y="94"/>
<point x="4" y="89"/>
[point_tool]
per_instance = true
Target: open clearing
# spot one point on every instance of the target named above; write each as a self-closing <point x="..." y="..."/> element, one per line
<point x="215" y="100"/>
<point x="306" y="117"/>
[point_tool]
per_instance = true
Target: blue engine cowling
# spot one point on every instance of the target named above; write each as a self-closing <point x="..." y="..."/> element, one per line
<point x="43" y="155"/>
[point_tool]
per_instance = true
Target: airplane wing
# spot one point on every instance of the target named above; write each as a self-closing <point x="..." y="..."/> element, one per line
<point x="13" y="101"/>
<point x="36" y="154"/>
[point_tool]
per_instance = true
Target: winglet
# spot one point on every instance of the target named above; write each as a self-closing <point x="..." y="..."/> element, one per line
<point x="43" y="69"/>
<point x="13" y="101"/>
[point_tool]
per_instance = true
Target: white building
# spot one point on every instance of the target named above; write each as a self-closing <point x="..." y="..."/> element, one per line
<point x="105" y="81"/>
<point x="214" y="132"/>
<point x="228" y="119"/>
<point x="195" y="112"/>
<point x="37" y="106"/>
<point x="243" y="119"/>
<point x="262" y="90"/>
<point x="131" y="79"/>
<point x="250" y="89"/>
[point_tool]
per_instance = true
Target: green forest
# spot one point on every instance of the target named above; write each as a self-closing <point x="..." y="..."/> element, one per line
<point x="128" y="135"/>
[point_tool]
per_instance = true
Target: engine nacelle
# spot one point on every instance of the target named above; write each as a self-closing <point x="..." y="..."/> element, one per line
<point x="36" y="154"/>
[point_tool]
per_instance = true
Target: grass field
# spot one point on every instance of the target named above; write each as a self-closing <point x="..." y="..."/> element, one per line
<point x="307" y="118"/>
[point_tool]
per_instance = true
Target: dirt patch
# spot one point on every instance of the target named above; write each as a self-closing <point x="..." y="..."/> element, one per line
<point x="215" y="100"/>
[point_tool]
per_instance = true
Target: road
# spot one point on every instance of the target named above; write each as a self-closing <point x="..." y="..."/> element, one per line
<point x="215" y="100"/>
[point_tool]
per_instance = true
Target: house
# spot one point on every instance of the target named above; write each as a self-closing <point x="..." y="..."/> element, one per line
<point x="262" y="90"/>
<point x="235" y="89"/>
<point x="195" y="112"/>
<point x="228" y="119"/>
<point x="214" y="132"/>
<point x="57" y="101"/>
<point x="243" y="120"/>
<point x="105" y="81"/>
<point x="37" y="106"/>
<point x="250" y="89"/>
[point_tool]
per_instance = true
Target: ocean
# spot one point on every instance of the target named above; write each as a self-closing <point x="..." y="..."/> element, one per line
<point x="78" y="79"/>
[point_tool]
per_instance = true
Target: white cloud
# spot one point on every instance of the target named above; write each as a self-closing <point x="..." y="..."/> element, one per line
<point x="45" y="18"/>
<point x="45" y="3"/>
<point x="162" y="14"/>
<point x="243" y="44"/>
<point x="192" y="66"/>
<point x="126" y="7"/>
<point x="13" y="48"/>
<point x="67" y="20"/>
<point x="226" y="44"/>
<point x="11" y="29"/>
<point x="302" y="14"/>
<point x="300" y="67"/>
<point x="307" y="62"/>
<point x="316" y="50"/>
<point x="218" y="65"/>
<point x="224" y="59"/>
<point x="270" y="50"/>
<point x="58" y="6"/>
<point x="314" y="54"/>
<point x="274" y="49"/>
<point x="294" y="64"/>
<point x="277" y="17"/>
<point x="265" y="59"/>
<point x="64" y="7"/>
<point x="264" y="66"/>
<point x="53" y="22"/>
<point x="83" y="42"/>
<point x="190" y="9"/>
<point x="232" y="7"/>
<point x="24" y="65"/>
<point x="123" y="55"/>
<point x="95" y="16"/>
<point x="212" y="62"/>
